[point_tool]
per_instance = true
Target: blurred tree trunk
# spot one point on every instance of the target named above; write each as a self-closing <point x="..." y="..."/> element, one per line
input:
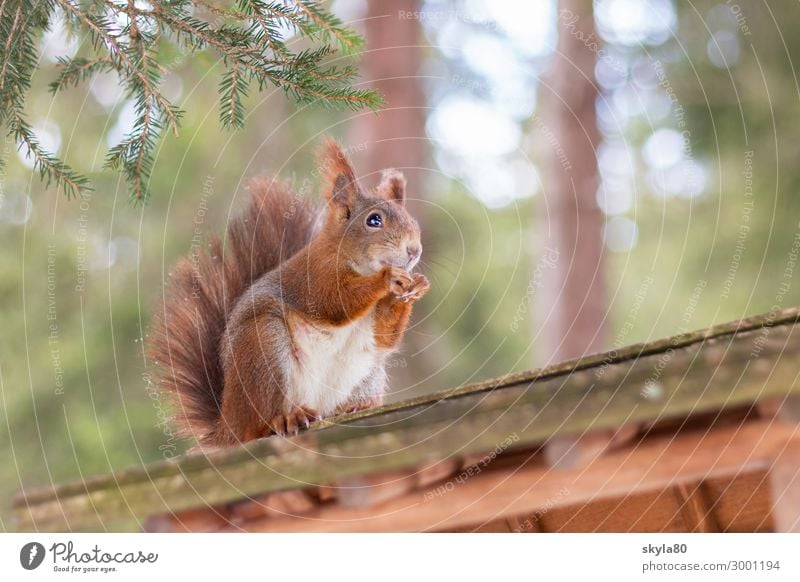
<point x="395" y="136"/>
<point x="573" y="301"/>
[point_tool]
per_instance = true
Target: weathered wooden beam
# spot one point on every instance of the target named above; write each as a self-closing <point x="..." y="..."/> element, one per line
<point x="569" y="451"/>
<point x="696" y="511"/>
<point x="529" y="524"/>
<point x="661" y="463"/>
<point x="705" y="371"/>
<point x="763" y="323"/>
<point x="784" y="478"/>
<point x="784" y="407"/>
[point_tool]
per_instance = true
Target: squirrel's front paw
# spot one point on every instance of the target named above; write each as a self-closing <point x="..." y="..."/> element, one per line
<point x="419" y="287"/>
<point x="398" y="280"/>
<point x="291" y="422"/>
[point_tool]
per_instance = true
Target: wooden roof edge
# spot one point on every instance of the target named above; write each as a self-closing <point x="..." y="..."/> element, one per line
<point x="264" y="446"/>
<point x="788" y="316"/>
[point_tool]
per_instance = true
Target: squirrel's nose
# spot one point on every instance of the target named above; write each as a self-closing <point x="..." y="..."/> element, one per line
<point x="413" y="251"/>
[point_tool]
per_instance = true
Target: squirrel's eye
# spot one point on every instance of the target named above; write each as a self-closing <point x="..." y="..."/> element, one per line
<point x="375" y="220"/>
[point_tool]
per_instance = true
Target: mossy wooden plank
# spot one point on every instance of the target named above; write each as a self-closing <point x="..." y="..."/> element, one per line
<point x="762" y="322"/>
<point x="708" y="370"/>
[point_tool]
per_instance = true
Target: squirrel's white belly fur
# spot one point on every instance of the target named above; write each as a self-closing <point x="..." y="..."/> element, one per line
<point x="330" y="362"/>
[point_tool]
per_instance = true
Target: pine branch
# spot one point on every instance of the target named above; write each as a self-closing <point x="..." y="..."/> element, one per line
<point x="293" y="17"/>
<point x="19" y="61"/>
<point x="267" y="31"/>
<point x="100" y="31"/>
<point x="295" y="76"/>
<point x="51" y="169"/>
<point x="233" y="86"/>
<point x="9" y="43"/>
<point x="74" y="71"/>
<point x="247" y="36"/>
<point x="329" y="26"/>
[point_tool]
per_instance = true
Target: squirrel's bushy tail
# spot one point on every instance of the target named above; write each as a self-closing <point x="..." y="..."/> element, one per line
<point x="202" y="291"/>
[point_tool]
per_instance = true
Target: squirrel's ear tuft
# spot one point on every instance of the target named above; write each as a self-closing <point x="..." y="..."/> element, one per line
<point x="339" y="183"/>
<point x="392" y="186"/>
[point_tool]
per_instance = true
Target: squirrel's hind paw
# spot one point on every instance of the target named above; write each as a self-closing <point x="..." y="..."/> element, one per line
<point x="361" y="404"/>
<point x="289" y="424"/>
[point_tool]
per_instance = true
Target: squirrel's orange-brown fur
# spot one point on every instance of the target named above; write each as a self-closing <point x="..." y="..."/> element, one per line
<point x="279" y="324"/>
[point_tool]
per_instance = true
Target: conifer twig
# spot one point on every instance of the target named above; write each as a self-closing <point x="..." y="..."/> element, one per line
<point x="127" y="39"/>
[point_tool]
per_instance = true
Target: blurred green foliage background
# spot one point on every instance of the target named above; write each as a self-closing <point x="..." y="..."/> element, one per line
<point x="80" y="279"/>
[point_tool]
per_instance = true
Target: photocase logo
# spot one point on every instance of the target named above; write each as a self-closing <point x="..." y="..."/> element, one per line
<point x="31" y="555"/>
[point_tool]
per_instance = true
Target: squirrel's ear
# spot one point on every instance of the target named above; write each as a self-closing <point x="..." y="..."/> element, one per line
<point x="339" y="186"/>
<point x="392" y="186"/>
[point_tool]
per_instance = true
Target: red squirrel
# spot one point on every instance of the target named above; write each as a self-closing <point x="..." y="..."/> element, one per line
<point x="286" y="322"/>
